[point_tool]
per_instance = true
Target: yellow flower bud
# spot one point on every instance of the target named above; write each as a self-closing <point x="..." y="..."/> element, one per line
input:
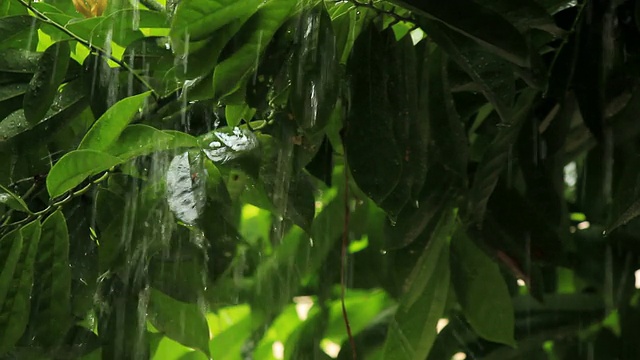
<point x="90" y="8"/>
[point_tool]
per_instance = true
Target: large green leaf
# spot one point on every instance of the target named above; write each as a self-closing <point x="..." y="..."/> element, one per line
<point x="52" y="68"/>
<point x="112" y="123"/>
<point x="481" y="291"/>
<point x="371" y="117"/>
<point x="18" y="32"/>
<point x="180" y="321"/>
<point x="136" y="140"/>
<point x="496" y="157"/>
<point x="52" y="287"/>
<point x="413" y="328"/>
<point x="15" y="304"/>
<point x="254" y="36"/>
<point x="196" y="19"/>
<point x="314" y="73"/>
<point x="472" y="20"/>
<point x="74" y="167"/>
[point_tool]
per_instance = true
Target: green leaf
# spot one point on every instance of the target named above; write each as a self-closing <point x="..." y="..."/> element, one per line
<point x="136" y="140"/>
<point x="481" y="291"/>
<point x="52" y="288"/>
<point x="19" y="61"/>
<point x="412" y="331"/>
<point x="18" y="32"/>
<point x="15" y="305"/>
<point x="74" y="167"/>
<point x="254" y="36"/>
<point x="236" y="113"/>
<point x="314" y="72"/>
<point x="12" y="200"/>
<point x="370" y="117"/>
<point x="447" y="130"/>
<point x="197" y="19"/>
<point x="477" y="22"/>
<point x="112" y="123"/>
<point x="52" y="68"/>
<point x="496" y="157"/>
<point x="180" y="321"/>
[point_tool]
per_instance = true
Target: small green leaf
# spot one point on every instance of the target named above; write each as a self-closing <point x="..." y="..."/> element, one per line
<point x="236" y="113"/>
<point x="74" y="167"/>
<point x="412" y="331"/>
<point x="197" y="19"/>
<point x="180" y="321"/>
<point x="112" y="123"/>
<point x="481" y="291"/>
<point x="14" y="308"/>
<point x="52" y="68"/>
<point x="53" y="281"/>
<point x="137" y="140"/>
<point x="254" y="36"/>
<point x="12" y="200"/>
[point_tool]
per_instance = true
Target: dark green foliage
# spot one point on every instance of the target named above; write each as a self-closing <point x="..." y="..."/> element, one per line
<point x="212" y="180"/>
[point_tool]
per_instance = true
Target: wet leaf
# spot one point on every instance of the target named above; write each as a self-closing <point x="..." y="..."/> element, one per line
<point x="18" y="32"/>
<point x="52" y="288"/>
<point x="10" y="199"/>
<point x="481" y="291"/>
<point x="106" y="130"/>
<point x="370" y="117"/>
<point x="136" y="140"/>
<point x="631" y="213"/>
<point x="223" y="146"/>
<point x="74" y="167"/>
<point x="197" y="19"/>
<point x="186" y="192"/>
<point x="19" y="61"/>
<point x="52" y="68"/>
<point x="180" y="321"/>
<point x="447" y="130"/>
<point x="314" y="73"/>
<point x="470" y="18"/>
<point x="16" y="283"/>
<point x="412" y="331"/>
<point x="230" y="74"/>
<point x="496" y="157"/>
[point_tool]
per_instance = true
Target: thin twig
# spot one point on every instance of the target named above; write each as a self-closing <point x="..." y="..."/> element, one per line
<point x="44" y="18"/>
<point x="343" y="267"/>
<point x="153" y="5"/>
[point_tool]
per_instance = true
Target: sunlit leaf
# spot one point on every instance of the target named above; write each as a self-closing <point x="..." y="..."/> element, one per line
<point x="481" y="291"/>
<point x="413" y="328"/>
<point x="180" y="321"/>
<point x="74" y="167"/>
<point x="254" y="36"/>
<point x="138" y="139"/>
<point x="112" y="123"/>
<point x="196" y="19"/>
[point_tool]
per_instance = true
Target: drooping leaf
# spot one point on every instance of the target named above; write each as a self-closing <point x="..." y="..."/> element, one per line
<point x="447" y="130"/>
<point x="10" y="199"/>
<point x="413" y="328"/>
<point x="255" y="35"/>
<point x="314" y="73"/>
<point x="112" y="123"/>
<point x="52" y="286"/>
<point x="74" y="167"/>
<point x="496" y="157"/>
<point x="52" y="68"/>
<point x="19" y="31"/>
<point x="471" y="19"/>
<point x="180" y="321"/>
<point x="19" y="61"/>
<point x="186" y="191"/>
<point x="196" y="19"/>
<point x="481" y="291"/>
<point x="370" y="117"/>
<point x="15" y="304"/>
